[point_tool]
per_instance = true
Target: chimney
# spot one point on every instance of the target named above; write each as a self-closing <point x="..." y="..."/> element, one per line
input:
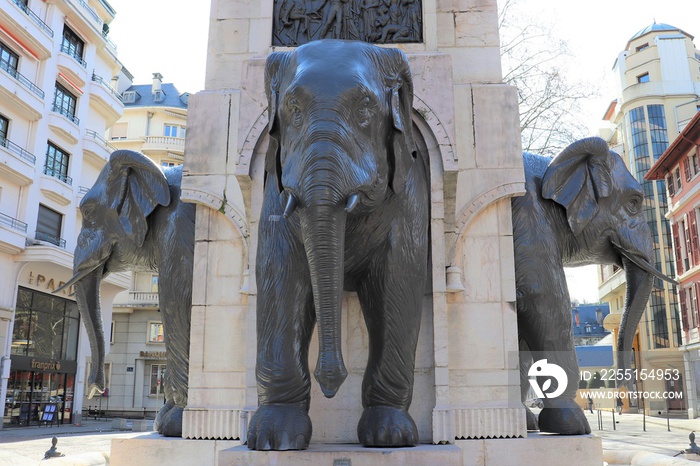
<point x="157" y="82"/>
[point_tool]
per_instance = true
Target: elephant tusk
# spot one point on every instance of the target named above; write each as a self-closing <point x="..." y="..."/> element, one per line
<point x="353" y="200"/>
<point x="77" y="277"/>
<point x="645" y="265"/>
<point x="291" y="206"/>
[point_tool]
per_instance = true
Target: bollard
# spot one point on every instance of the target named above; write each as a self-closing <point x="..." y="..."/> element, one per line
<point x="613" y="413"/>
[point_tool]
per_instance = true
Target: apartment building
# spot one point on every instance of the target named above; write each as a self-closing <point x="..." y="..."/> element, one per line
<point x="680" y="166"/>
<point x="153" y="123"/>
<point x="60" y="89"/>
<point x="659" y="84"/>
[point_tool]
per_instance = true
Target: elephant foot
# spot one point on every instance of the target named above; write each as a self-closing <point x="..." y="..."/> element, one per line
<point x="280" y="427"/>
<point x="386" y="426"/>
<point x="531" y="419"/>
<point x="161" y="414"/>
<point x="563" y="417"/>
<point x="170" y="424"/>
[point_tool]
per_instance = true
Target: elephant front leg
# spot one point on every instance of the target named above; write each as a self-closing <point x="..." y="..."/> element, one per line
<point x="392" y="309"/>
<point x="285" y="321"/>
<point x="544" y="323"/>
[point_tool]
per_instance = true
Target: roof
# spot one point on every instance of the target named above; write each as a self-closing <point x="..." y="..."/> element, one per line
<point x="594" y="356"/>
<point x="657" y="27"/>
<point x="144" y="96"/>
<point x="679" y="148"/>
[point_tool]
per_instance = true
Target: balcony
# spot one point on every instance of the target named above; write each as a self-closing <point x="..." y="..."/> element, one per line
<point x="27" y="28"/>
<point x="56" y="186"/>
<point x="155" y="144"/>
<point x="16" y="163"/>
<point x="64" y="124"/>
<point x="14" y="234"/>
<point x="82" y="191"/>
<point x="96" y="148"/>
<point x="72" y="66"/>
<point x="105" y="99"/>
<point x="19" y="93"/>
<point x="137" y="300"/>
<point x="81" y="13"/>
<point x="42" y="237"/>
<point x="657" y="88"/>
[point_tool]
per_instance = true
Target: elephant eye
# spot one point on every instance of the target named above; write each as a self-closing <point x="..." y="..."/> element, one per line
<point x="634" y="205"/>
<point x="364" y="111"/>
<point x="295" y="110"/>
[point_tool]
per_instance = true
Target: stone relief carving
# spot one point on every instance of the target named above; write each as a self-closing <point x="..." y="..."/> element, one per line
<point x="296" y="22"/>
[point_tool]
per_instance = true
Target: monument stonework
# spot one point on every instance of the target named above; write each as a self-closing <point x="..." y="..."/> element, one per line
<point x="466" y="388"/>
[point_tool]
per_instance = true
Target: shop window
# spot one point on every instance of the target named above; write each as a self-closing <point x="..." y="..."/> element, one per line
<point x="155" y="332"/>
<point x="156" y="379"/>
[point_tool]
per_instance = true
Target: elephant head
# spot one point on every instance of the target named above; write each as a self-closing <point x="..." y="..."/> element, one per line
<point x="340" y="143"/>
<point x="604" y="208"/>
<point x="115" y="224"/>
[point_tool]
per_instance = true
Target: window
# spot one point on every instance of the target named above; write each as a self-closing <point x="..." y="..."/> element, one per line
<point x="174" y="131"/>
<point x="8" y="60"/>
<point x="679" y="184"/>
<point x="119" y="131"/>
<point x="156" y="382"/>
<point x="158" y="96"/>
<point x="644" y="78"/>
<point x="693" y="165"/>
<point x="642" y="47"/>
<point x="670" y="185"/>
<point x="57" y="163"/>
<point x="72" y="44"/>
<point x="4" y="123"/>
<point x="111" y="332"/>
<point x="48" y="226"/>
<point x="129" y="97"/>
<point x="155" y="332"/>
<point x="64" y="103"/>
<point x="154" y="283"/>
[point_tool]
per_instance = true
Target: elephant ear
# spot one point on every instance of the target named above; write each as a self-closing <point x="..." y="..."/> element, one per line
<point x="274" y="68"/>
<point x="577" y="178"/>
<point x="136" y="186"/>
<point x="402" y="148"/>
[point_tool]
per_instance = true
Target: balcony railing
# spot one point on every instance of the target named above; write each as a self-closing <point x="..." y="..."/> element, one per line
<point x="17" y="150"/>
<point x="95" y="135"/>
<point x="143" y="296"/>
<point x="34" y="17"/>
<point x="67" y="50"/>
<point x="165" y="140"/>
<point x="100" y="80"/>
<point x="83" y="190"/>
<point x="109" y="41"/>
<point x="21" y="79"/>
<point x="92" y="13"/>
<point x="66" y="113"/>
<point x="56" y="174"/>
<point x="12" y="223"/>
<point x="49" y="238"/>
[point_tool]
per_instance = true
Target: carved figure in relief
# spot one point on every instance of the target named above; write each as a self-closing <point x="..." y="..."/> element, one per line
<point x="346" y="207"/>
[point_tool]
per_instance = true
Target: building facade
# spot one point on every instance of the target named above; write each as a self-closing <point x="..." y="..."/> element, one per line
<point x="60" y="85"/>
<point x="153" y="123"/>
<point x="587" y="323"/>
<point x="680" y="167"/>
<point x="659" y="78"/>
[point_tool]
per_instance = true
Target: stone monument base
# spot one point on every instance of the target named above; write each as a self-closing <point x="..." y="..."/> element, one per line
<point x="152" y="449"/>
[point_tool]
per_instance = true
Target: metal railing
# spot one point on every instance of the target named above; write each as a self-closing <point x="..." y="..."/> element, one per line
<point x="83" y="190"/>
<point x="56" y="174"/>
<point x="34" y="17"/>
<point x="67" y="50"/>
<point x="100" y="80"/>
<point x="63" y="111"/>
<point x="13" y="223"/>
<point x="17" y="150"/>
<point x="92" y="12"/>
<point x="49" y="238"/>
<point x="21" y="79"/>
<point x="109" y="41"/>
<point x="95" y="135"/>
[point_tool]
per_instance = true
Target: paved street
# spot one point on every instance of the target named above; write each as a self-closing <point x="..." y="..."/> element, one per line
<point x="20" y="447"/>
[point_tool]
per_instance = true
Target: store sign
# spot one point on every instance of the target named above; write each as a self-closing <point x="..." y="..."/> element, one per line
<point x="152" y="354"/>
<point x="28" y="363"/>
<point x="45" y="282"/>
<point x="46" y="366"/>
<point x="130" y="369"/>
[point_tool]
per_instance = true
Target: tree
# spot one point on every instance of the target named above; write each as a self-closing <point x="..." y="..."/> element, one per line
<point x="534" y="61"/>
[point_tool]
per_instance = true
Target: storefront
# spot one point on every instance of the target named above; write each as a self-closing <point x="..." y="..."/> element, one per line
<point x="41" y="384"/>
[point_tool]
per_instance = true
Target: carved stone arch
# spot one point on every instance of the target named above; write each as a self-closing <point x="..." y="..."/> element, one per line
<point x="219" y="204"/>
<point x="439" y="133"/>
<point x="251" y="142"/>
<point x="485" y="199"/>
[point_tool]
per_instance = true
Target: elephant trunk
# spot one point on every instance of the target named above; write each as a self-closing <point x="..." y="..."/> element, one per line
<point x="323" y="231"/>
<point x="639" y="284"/>
<point x="87" y="293"/>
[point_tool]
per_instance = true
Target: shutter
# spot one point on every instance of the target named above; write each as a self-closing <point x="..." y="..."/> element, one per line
<point x="688" y="242"/>
<point x="670" y="186"/>
<point x="693" y="227"/>
<point x="119" y="130"/>
<point x="677" y="246"/>
<point x="684" y="307"/>
<point x="696" y="315"/>
<point x="686" y="169"/>
<point x="49" y="222"/>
